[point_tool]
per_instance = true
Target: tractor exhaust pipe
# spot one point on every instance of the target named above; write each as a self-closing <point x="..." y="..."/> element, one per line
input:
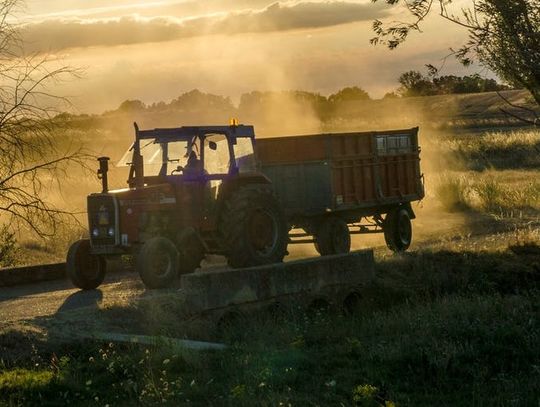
<point x="102" y="173"/>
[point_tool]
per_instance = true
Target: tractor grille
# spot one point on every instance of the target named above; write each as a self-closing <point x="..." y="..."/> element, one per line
<point x="102" y="220"/>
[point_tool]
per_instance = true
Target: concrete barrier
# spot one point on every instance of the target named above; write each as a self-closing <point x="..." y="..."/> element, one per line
<point x="32" y="274"/>
<point x="208" y="290"/>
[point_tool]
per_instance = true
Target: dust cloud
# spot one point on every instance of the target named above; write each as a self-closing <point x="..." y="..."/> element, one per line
<point x="273" y="113"/>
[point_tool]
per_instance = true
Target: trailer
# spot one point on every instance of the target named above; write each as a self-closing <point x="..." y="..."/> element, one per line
<point x="334" y="185"/>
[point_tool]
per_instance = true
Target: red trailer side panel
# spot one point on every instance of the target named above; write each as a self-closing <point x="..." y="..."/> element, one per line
<point x="366" y="169"/>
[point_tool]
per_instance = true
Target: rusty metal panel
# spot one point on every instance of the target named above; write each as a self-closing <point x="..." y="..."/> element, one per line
<point x="361" y="169"/>
<point x="292" y="149"/>
<point x="354" y="180"/>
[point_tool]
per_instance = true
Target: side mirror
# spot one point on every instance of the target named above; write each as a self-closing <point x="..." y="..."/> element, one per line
<point x="212" y="145"/>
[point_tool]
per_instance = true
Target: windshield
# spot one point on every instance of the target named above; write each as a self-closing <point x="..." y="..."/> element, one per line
<point x="163" y="158"/>
<point x="156" y="154"/>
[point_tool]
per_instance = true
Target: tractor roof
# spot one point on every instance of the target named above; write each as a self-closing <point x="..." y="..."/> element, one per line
<point x="188" y="132"/>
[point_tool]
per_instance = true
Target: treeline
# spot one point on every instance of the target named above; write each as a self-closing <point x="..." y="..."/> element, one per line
<point x="194" y="99"/>
<point x="414" y="83"/>
<point x="276" y="112"/>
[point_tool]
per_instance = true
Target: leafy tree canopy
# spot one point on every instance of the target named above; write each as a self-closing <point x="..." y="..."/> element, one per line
<point x="414" y="83"/>
<point x="504" y="35"/>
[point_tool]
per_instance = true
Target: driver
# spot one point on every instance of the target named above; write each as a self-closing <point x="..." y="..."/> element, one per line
<point x="193" y="166"/>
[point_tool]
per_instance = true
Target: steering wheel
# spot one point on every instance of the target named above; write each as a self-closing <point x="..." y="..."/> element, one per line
<point x="178" y="169"/>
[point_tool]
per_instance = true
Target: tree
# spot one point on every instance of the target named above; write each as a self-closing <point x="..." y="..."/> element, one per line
<point x="504" y="35"/>
<point x="132" y="106"/>
<point x="197" y="100"/>
<point x="413" y="83"/>
<point x="390" y="95"/>
<point x="351" y="94"/>
<point x="31" y="157"/>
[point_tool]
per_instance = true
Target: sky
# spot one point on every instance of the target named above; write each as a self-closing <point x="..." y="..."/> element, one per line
<point x="155" y="50"/>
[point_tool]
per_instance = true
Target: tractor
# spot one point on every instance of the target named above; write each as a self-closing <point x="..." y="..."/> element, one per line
<point x="191" y="191"/>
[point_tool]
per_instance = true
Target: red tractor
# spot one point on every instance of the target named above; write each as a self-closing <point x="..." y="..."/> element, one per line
<point x="192" y="191"/>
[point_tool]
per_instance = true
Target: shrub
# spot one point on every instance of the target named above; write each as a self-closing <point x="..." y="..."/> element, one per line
<point x="452" y="191"/>
<point x="491" y="195"/>
<point x="8" y="247"/>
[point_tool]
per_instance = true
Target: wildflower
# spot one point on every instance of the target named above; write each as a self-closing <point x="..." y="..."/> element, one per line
<point x="331" y="383"/>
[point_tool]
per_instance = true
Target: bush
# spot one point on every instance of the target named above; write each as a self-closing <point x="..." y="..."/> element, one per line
<point x="8" y="247"/>
<point x="452" y="191"/>
<point x="491" y="195"/>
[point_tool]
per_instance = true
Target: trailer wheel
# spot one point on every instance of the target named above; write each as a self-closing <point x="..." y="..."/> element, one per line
<point x="397" y="229"/>
<point x="253" y="228"/>
<point x="332" y="237"/>
<point x="85" y="270"/>
<point x="157" y="262"/>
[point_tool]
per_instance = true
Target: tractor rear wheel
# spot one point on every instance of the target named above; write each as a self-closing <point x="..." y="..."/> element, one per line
<point x="157" y="262"/>
<point x="191" y="251"/>
<point x="253" y="227"/>
<point x="85" y="270"/>
<point x="397" y="229"/>
<point x="332" y="236"/>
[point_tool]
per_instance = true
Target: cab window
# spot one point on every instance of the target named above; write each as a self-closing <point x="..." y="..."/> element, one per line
<point x="243" y="153"/>
<point x="216" y="154"/>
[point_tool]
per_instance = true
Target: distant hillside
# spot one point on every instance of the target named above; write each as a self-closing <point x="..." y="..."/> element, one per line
<point x="302" y="112"/>
<point x="446" y="111"/>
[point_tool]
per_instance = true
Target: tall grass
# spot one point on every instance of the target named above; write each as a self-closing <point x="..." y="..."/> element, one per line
<point x="489" y="192"/>
<point x="452" y="190"/>
<point x="495" y="150"/>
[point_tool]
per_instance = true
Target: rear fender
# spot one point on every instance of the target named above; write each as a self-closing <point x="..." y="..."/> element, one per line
<point x="407" y="206"/>
<point x="240" y="180"/>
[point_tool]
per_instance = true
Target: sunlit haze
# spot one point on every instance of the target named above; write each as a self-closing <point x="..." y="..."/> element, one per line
<point x="156" y="50"/>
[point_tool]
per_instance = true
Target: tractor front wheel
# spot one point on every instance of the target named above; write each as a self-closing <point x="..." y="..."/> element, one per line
<point x="85" y="270"/>
<point x="253" y="228"/>
<point x="157" y="262"/>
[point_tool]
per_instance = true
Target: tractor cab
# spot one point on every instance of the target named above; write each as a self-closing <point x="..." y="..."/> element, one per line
<point x="209" y="154"/>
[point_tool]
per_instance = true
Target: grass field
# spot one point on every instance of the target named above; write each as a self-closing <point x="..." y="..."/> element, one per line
<point x="453" y="323"/>
<point x="435" y="328"/>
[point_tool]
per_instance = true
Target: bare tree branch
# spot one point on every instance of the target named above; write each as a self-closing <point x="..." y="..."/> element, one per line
<point x="32" y="155"/>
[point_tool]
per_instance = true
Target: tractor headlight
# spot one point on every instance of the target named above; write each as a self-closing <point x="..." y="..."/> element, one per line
<point x="95" y="232"/>
<point x="110" y="232"/>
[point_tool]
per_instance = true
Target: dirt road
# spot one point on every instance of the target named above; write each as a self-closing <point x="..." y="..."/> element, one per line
<point x="35" y="306"/>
